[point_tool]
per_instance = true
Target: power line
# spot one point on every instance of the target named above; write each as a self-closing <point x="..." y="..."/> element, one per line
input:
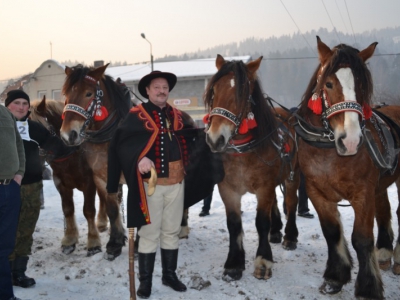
<point x="351" y="24"/>
<point x="297" y="27"/>
<point x="331" y="21"/>
<point x="345" y="27"/>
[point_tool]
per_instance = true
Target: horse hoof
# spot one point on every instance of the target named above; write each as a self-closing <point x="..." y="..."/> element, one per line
<point x="288" y="245"/>
<point x="396" y="269"/>
<point x="262" y="273"/>
<point x="112" y="256"/>
<point x="68" y="249"/>
<point x="276" y="238"/>
<point x="93" y="251"/>
<point x="385" y="265"/>
<point x="232" y="274"/>
<point x="330" y="287"/>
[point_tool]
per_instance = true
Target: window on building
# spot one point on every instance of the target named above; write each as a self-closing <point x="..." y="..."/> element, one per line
<point x="41" y="94"/>
<point x="56" y="94"/>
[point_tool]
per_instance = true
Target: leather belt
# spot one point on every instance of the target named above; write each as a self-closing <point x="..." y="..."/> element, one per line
<point x="5" y="181"/>
<point x="176" y="174"/>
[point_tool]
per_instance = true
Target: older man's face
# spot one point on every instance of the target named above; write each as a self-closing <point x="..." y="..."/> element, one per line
<point x="158" y="91"/>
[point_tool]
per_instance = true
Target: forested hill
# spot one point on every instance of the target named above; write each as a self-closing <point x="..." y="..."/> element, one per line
<point x="290" y="60"/>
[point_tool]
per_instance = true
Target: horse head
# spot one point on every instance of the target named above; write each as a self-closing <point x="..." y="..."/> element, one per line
<point x="48" y="113"/>
<point x="342" y="93"/>
<point x="229" y="100"/>
<point x="84" y="102"/>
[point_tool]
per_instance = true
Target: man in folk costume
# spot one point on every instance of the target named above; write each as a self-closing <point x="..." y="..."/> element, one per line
<point x="155" y="135"/>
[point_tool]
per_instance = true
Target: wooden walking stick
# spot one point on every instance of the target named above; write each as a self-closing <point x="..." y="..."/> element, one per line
<point x="132" y="288"/>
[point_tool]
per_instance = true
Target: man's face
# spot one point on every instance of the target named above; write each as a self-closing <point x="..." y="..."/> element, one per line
<point x="158" y="91"/>
<point x="19" y="108"/>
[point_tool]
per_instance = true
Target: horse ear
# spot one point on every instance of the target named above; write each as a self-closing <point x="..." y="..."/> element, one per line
<point x="98" y="72"/>
<point x="68" y="70"/>
<point x="324" y="51"/>
<point x="368" y="52"/>
<point x="41" y="108"/>
<point x="254" y="65"/>
<point x="219" y="61"/>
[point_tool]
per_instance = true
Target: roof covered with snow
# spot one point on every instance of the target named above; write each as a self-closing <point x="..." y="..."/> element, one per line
<point x="182" y="69"/>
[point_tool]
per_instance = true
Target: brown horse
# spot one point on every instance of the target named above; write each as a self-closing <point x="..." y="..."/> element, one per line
<point x="71" y="170"/>
<point x="346" y="152"/>
<point x="94" y="106"/>
<point x="259" y="153"/>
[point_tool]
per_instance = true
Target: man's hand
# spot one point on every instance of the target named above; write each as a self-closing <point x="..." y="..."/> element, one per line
<point x="18" y="178"/>
<point x="145" y="165"/>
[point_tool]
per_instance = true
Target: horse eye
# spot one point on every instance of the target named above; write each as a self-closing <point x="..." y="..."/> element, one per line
<point x="329" y="85"/>
<point x="88" y="94"/>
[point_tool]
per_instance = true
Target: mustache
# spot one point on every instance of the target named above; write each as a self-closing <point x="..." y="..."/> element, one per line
<point x="161" y="94"/>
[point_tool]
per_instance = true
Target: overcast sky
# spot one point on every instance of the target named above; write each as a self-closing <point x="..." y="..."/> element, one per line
<point x="88" y="30"/>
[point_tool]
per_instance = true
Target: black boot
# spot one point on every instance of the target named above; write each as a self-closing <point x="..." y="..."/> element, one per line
<point x="18" y="273"/>
<point x="146" y="267"/>
<point x="169" y="260"/>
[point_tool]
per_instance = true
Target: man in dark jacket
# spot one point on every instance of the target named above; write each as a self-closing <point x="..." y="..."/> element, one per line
<point x="34" y="135"/>
<point x="155" y="136"/>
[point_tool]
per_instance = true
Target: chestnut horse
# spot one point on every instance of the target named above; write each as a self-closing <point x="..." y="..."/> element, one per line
<point x="347" y="152"/>
<point x="94" y="106"/>
<point x="71" y="170"/>
<point x="259" y="153"/>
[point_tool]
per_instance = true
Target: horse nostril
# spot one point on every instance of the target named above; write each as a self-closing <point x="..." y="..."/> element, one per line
<point x="72" y="136"/>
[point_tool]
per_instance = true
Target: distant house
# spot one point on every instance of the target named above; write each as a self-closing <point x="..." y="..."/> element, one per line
<point x="15" y="85"/>
<point x="193" y="77"/>
<point x="47" y="80"/>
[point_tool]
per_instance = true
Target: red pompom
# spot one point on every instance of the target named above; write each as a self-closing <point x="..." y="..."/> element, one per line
<point x="62" y="116"/>
<point x="251" y="123"/>
<point x="100" y="114"/>
<point x="243" y="128"/>
<point x="205" y="118"/>
<point x="367" y="111"/>
<point x="315" y="104"/>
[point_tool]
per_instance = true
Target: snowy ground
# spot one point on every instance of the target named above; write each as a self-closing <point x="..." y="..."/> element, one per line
<point x="296" y="274"/>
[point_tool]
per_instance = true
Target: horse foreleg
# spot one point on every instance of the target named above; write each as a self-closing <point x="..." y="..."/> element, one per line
<point x="384" y="242"/>
<point x="117" y="232"/>
<point x="89" y="211"/>
<point x="291" y="201"/>
<point x="102" y="218"/>
<point x="235" y="262"/>
<point x="184" y="233"/>
<point x="71" y="234"/>
<point x="339" y="264"/>
<point x="369" y="282"/>
<point x="264" y="261"/>
<point x="396" y="254"/>
<point x="275" y="235"/>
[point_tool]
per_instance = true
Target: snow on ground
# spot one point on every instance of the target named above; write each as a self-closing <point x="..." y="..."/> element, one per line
<point x="296" y="274"/>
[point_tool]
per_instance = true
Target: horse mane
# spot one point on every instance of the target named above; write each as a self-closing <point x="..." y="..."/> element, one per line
<point x="344" y="55"/>
<point x="263" y="114"/>
<point x="114" y="90"/>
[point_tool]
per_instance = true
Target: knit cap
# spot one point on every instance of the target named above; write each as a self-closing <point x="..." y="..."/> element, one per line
<point x="14" y="95"/>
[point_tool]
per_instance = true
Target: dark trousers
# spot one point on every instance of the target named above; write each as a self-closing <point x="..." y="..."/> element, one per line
<point x="207" y="203"/>
<point x="303" y="197"/>
<point x="10" y="203"/>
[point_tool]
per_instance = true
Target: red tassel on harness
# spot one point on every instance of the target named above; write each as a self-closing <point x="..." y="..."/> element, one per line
<point x="315" y="104"/>
<point x="100" y="114"/>
<point x="251" y="121"/>
<point x="205" y="118"/>
<point x="243" y="128"/>
<point x="367" y="111"/>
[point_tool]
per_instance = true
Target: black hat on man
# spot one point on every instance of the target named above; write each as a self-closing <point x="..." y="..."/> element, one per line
<point x="16" y="94"/>
<point x="145" y="81"/>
